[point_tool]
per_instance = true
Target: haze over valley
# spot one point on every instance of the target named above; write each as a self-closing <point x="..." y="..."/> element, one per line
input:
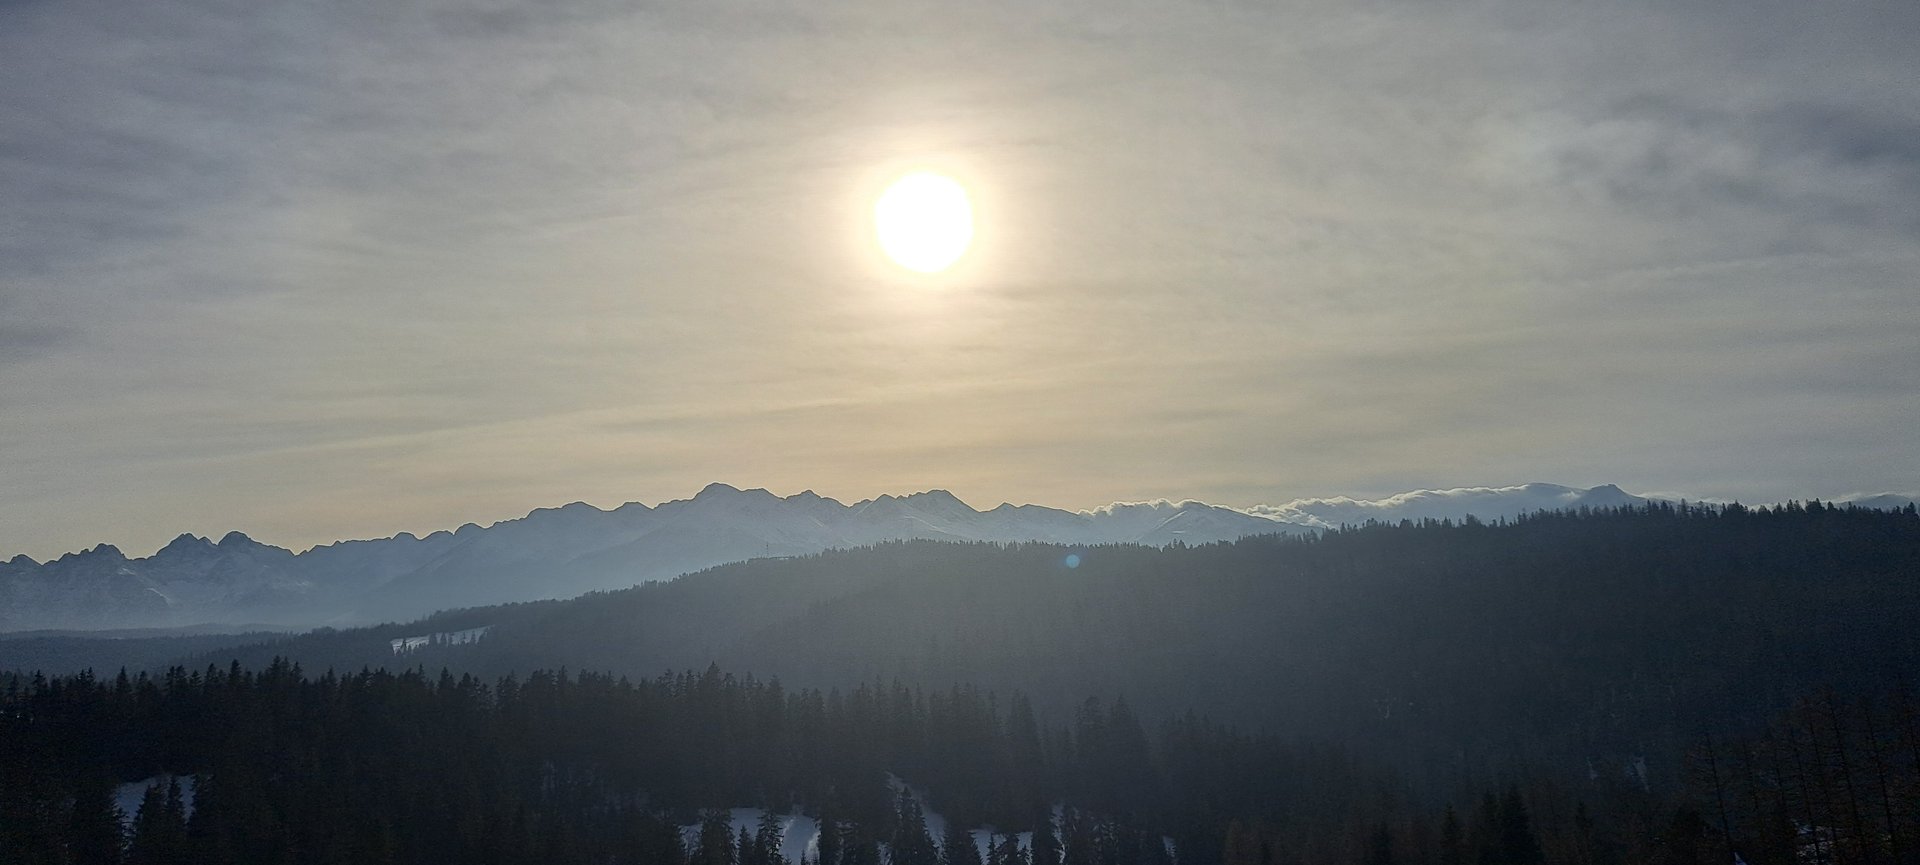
<point x="563" y="552"/>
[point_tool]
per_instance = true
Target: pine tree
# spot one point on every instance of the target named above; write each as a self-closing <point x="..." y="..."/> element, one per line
<point x="93" y="824"/>
<point x="1010" y="852"/>
<point x="768" y="839"/>
<point x="829" y="843"/>
<point x="748" y="850"/>
<point x="1077" y="840"/>
<point x="861" y="850"/>
<point x="911" y="843"/>
<point x="716" y="845"/>
<point x="1046" y="845"/>
<point x="159" y="828"/>
<point x="957" y="847"/>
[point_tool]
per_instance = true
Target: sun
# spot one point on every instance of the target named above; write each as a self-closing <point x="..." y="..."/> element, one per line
<point x="924" y="221"/>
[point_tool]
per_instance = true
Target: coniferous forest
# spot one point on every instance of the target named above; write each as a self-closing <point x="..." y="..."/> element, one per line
<point x="1669" y="685"/>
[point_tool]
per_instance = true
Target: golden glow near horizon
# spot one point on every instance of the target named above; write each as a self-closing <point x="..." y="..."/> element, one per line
<point x="924" y="221"/>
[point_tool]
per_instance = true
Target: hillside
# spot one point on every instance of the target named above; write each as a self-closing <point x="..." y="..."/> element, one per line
<point x="1588" y="639"/>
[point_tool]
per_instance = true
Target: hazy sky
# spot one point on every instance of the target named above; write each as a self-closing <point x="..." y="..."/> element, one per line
<point x="322" y="270"/>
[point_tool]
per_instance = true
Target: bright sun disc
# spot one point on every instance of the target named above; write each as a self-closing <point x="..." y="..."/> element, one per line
<point x="924" y="221"/>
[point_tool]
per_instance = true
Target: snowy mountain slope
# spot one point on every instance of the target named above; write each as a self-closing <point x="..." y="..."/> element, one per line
<point x="102" y="588"/>
<point x="1486" y="503"/>
<point x="563" y="552"/>
<point x="593" y="549"/>
<point x="1883" y="501"/>
<point x="550" y="553"/>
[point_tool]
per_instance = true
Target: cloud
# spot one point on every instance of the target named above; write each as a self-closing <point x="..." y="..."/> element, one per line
<point x="19" y="342"/>
<point x="1227" y="251"/>
<point x="1836" y="164"/>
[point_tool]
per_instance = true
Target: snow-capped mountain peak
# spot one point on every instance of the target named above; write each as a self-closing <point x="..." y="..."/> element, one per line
<point x="575" y="548"/>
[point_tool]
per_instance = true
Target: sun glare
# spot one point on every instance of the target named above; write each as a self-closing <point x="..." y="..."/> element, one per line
<point x="924" y="221"/>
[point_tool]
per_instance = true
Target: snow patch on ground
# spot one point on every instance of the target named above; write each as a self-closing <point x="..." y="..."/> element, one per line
<point x="983" y="837"/>
<point x="404" y="645"/>
<point x="803" y="833"/>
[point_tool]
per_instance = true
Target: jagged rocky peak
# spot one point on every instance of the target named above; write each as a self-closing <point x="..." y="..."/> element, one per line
<point x="186" y="544"/>
<point x="23" y="561"/>
<point x="935" y="495"/>
<point x="939" y="499"/>
<point x="107" y="551"/>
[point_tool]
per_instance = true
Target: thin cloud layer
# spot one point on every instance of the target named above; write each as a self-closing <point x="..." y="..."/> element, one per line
<point x="320" y="271"/>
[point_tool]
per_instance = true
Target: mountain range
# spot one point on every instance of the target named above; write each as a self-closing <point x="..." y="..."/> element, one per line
<point x="567" y="551"/>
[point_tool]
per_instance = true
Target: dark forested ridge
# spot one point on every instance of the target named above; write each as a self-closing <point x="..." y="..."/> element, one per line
<point x="383" y="767"/>
<point x="390" y="768"/>
<point x="1540" y="690"/>
<point x="1454" y="650"/>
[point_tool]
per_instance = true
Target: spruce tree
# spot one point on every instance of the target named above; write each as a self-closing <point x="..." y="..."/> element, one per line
<point x="93" y="823"/>
<point x="911" y="843"/>
<point x="1076" y="839"/>
<point x="159" y="828"/>
<point x="747" y="849"/>
<point x="1046" y="845"/>
<point x="716" y="840"/>
<point x="769" y="837"/>
<point x="829" y="843"/>
<point x="957" y="847"/>
<point x="1010" y="852"/>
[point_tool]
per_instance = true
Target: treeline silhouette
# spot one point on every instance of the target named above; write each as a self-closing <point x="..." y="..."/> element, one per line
<point x="1460" y="653"/>
<point x="382" y="767"/>
<point x="1832" y="780"/>
<point x="405" y="767"/>
<point x="1596" y="688"/>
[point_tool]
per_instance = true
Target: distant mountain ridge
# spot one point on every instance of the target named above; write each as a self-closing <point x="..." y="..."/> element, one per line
<point x="1485" y="503"/>
<point x="549" y="553"/>
<point x="566" y="551"/>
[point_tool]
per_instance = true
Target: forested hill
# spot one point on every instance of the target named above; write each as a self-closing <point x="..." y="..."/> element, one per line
<point x="1583" y="640"/>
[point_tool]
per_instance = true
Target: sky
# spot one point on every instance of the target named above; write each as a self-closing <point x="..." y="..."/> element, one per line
<point x="326" y="270"/>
